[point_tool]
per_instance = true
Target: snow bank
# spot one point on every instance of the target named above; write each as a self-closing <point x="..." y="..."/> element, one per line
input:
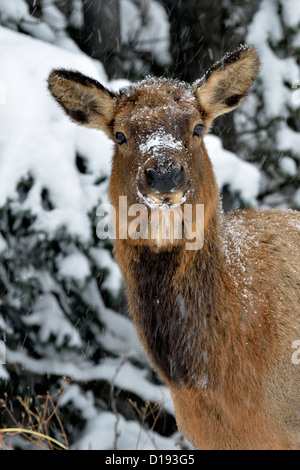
<point x="38" y="140"/>
<point x="241" y="177"/>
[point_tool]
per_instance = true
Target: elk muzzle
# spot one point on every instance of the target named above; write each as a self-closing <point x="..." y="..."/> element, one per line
<point x="164" y="181"/>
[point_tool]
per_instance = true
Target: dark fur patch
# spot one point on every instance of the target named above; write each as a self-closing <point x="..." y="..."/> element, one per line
<point x="111" y="125"/>
<point x="78" y="77"/>
<point x="166" y="312"/>
<point x="233" y="100"/>
<point x="78" y="115"/>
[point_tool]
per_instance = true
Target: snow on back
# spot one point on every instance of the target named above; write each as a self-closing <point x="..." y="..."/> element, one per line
<point x="237" y="242"/>
<point x="246" y="234"/>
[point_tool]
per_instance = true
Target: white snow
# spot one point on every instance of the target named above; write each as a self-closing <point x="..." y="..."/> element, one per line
<point x="242" y="177"/>
<point x="50" y="319"/>
<point x="131" y="21"/>
<point x="291" y="12"/>
<point x="100" y="433"/>
<point x="76" y="17"/>
<point x="3" y="244"/>
<point x="154" y="35"/>
<point x="119" y="335"/>
<point x="265" y="24"/>
<point x="104" y="260"/>
<point x="288" y="166"/>
<point x="49" y="27"/>
<point x="37" y="139"/>
<point x="75" y="266"/>
<point x="131" y="436"/>
<point x="276" y="72"/>
<point x="4" y="375"/>
<point x="128" y="377"/>
<point x="288" y="139"/>
<point x="149" y="30"/>
<point x="297" y="197"/>
<point x="159" y="141"/>
<point x="14" y="10"/>
<point x="53" y="16"/>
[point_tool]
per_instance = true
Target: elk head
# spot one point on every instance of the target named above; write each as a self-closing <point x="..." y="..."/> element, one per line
<point x="158" y="127"/>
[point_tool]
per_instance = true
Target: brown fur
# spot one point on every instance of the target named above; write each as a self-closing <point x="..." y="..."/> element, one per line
<point x="218" y="323"/>
<point x="85" y="100"/>
<point x="225" y="84"/>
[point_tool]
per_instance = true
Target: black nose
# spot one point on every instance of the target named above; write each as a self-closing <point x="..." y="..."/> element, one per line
<point x="164" y="182"/>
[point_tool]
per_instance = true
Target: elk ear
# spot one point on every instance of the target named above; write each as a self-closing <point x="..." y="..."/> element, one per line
<point x="84" y="100"/>
<point x="226" y="83"/>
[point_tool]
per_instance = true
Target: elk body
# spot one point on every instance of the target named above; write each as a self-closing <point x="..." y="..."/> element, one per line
<point x="218" y="323"/>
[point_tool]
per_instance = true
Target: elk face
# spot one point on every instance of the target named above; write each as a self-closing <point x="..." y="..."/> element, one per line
<point x="158" y="131"/>
<point x="158" y="127"/>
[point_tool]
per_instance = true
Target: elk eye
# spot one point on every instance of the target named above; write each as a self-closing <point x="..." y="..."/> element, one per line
<point x="198" y="130"/>
<point x="120" y="137"/>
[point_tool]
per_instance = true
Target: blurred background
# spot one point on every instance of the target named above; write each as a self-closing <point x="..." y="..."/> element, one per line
<point x="74" y="369"/>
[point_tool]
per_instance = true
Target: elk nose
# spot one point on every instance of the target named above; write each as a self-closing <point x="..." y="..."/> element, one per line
<point x="164" y="182"/>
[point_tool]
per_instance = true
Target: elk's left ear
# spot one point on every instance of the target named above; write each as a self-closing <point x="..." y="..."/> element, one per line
<point x="226" y="83"/>
<point x="84" y="100"/>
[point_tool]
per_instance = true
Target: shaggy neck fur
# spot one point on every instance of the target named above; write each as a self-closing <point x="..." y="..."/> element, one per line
<point x="174" y="298"/>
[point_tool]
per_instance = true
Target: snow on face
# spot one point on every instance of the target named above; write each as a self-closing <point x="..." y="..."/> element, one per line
<point x="160" y="147"/>
<point x="160" y="142"/>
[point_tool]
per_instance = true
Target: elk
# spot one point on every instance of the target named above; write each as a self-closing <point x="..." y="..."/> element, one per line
<point x="219" y="322"/>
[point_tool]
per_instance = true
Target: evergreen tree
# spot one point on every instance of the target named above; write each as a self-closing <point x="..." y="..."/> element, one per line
<point x="268" y="125"/>
<point x="60" y="290"/>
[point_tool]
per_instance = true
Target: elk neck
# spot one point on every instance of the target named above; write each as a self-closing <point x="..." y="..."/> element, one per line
<point x="175" y="299"/>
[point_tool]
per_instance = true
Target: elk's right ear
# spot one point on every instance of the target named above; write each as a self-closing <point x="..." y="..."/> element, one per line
<point x="226" y="84"/>
<point x="84" y="100"/>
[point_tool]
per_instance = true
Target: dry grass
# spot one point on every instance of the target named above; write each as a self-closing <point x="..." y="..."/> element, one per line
<point x="149" y="410"/>
<point x="39" y="421"/>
